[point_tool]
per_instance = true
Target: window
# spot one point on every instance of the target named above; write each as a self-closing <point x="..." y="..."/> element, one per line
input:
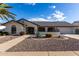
<point x="41" y="29"/>
<point x="51" y="29"/>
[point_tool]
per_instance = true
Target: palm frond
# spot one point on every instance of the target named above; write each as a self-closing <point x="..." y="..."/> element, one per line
<point x="1" y="17"/>
<point x="11" y="13"/>
<point x="5" y="6"/>
<point x="5" y="14"/>
<point x="5" y="17"/>
<point x="11" y="16"/>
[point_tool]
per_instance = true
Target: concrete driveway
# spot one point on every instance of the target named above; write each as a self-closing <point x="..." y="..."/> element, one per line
<point x="75" y="36"/>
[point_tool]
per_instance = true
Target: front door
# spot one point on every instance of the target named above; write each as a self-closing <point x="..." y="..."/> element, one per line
<point x="30" y="30"/>
<point x="13" y="29"/>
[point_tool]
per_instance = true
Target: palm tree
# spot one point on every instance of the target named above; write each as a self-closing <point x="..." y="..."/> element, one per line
<point x="4" y="6"/>
<point x="4" y="13"/>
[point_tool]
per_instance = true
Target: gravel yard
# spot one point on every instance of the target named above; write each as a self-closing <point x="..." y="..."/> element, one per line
<point x="6" y="38"/>
<point x="47" y="44"/>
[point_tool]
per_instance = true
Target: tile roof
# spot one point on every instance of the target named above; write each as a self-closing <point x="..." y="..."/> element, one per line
<point x="45" y="23"/>
<point x="56" y="23"/>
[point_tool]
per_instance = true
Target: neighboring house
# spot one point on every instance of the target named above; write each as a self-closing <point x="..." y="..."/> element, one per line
<point x="32" y="27"/>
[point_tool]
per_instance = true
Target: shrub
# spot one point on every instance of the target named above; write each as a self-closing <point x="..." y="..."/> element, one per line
<point x="22" y="33"/>
<point x="37" y="34"/>
<point x="1" y="33"/>
<point x="5" y="33"/>
<point x="48" y="35"/>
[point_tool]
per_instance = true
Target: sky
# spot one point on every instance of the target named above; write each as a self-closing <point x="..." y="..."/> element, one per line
<point x="46" y="11"/>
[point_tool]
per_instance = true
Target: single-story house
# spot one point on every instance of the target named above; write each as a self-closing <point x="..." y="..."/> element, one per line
<point x="32" y="27"/>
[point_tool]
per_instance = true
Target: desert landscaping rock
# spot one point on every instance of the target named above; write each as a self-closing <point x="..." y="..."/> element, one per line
<point x="53" y="44"/>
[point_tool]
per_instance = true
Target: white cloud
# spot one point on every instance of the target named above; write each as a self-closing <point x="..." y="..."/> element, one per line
<point x="53" y="6"/>
<point x="57" y="15"/>
<point x="49" y="17"/>
<point x="38" y="19"/>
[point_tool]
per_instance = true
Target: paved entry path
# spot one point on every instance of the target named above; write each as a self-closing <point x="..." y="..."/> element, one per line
<point x="2" y="37"/>
<point x="7" y="45"/>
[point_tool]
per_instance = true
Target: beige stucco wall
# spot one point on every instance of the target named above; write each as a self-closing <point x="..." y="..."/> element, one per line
<point x="19" y="27"/>
<point x="66" y="30"/>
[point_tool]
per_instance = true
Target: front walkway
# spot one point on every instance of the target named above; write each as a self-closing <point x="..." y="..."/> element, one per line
<point x="2" y="37"/>
<point x="7" y="45"/>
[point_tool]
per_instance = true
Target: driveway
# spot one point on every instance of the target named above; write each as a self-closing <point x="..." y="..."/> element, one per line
<point x="75" y="36"/>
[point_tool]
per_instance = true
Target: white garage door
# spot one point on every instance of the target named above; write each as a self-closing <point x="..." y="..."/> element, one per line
<point x="66" y="30"/>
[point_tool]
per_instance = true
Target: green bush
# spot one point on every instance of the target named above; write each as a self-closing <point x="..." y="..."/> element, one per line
<point x="48" y="35"/>
<point x="4" y="33"/>
<point x="22" y="33"/>
<point x="37" y="34"/>
<point x="1" y="33"/>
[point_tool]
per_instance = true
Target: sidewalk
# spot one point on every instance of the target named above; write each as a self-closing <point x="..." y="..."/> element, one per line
<point x="7" y="45"/>
<point x="41" y="53"/>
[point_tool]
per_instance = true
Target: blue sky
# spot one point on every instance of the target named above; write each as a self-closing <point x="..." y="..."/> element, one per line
<point x="46" y="11"/>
